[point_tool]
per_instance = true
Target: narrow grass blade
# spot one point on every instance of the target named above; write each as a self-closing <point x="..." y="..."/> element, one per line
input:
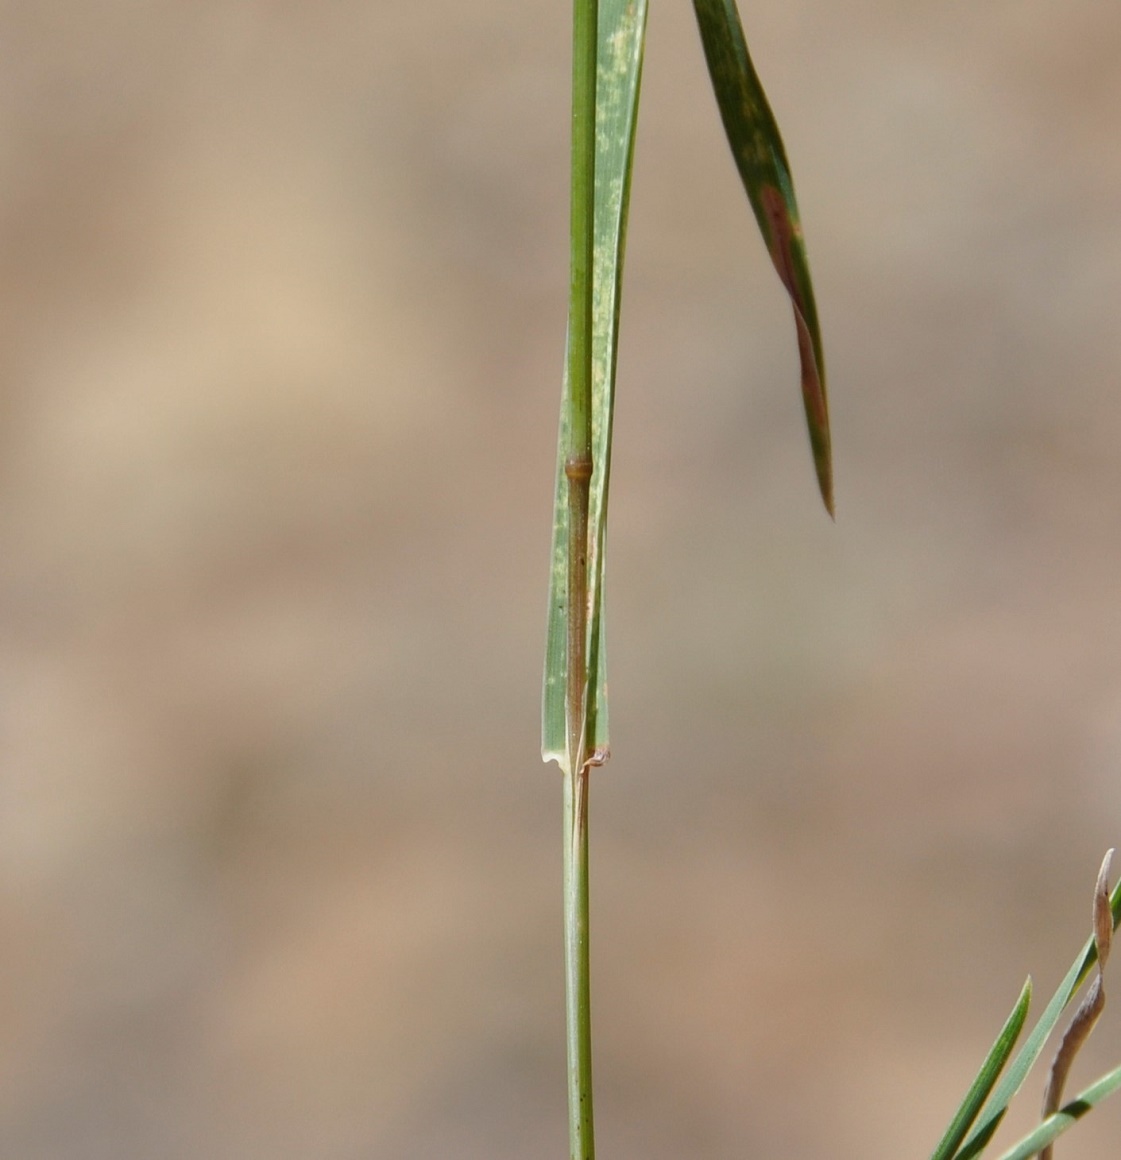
<point x="1055" y="1125"/>
<point x="986" y="1077"/>
<point x="621" y="34"/>
<point x="1018" y="1069"/>
<point x="761" y="160"/>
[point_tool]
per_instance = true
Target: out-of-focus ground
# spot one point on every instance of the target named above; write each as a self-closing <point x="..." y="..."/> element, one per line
<point x="282" y="301"/>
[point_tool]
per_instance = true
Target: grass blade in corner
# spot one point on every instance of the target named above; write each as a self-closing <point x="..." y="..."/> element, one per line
<point x="986" y="1077"/>
<point x="761" y="159"/>
<point x="1018" y="1069"/>
<point x="622" y="38"/>
<point x="1066" y="1117"/>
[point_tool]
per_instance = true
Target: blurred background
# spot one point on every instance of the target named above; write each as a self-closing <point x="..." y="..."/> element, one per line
<point x="283" y="292"/>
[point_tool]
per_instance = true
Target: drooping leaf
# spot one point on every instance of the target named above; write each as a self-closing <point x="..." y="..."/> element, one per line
<point x="761" y="160"/>
<point x="621" y="35"/>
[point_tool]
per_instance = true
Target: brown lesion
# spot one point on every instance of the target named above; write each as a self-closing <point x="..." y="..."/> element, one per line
<point x="578" y="469"/>
<point x="783" y="230"/>
<point x="811" y="377"/>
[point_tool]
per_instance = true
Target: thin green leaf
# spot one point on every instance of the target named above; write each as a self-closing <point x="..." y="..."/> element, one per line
<point x="622" y="35"/>
<point x="761" y="159"/>
<point x="1055" y="1125"/>
<point x="1017" y="1071"/>
<point x="986" y="1077"/>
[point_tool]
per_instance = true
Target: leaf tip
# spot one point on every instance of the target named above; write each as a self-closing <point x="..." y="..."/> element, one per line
<point x="825" y="483"/>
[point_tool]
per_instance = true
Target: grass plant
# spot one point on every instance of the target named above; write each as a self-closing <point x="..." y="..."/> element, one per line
<point x="608" y="42"/>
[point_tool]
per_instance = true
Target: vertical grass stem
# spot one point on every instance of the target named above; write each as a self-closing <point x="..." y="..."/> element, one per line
<point x="578" y="473"/>
<point x="581" y="1131"/>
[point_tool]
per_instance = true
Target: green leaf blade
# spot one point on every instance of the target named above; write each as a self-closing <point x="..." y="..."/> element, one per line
<point x="1066" y="1117"/>
<point x="986" y="1078"/>
<point x="622" y="38"/>
<point x="760" y="157"/>
<point x="1018" y="1070"/>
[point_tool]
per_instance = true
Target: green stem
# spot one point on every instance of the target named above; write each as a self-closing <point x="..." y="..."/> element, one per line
<point x="577" y="982"/>
<point x="578" y="472"/>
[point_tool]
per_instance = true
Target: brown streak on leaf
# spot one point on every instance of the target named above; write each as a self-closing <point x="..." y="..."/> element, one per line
<point x="782" y="234"/>
<point x="811" y="380"/>
<point x="783" y="229"/>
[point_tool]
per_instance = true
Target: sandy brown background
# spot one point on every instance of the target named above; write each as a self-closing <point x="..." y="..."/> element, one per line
<point x="282" y="301"/>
